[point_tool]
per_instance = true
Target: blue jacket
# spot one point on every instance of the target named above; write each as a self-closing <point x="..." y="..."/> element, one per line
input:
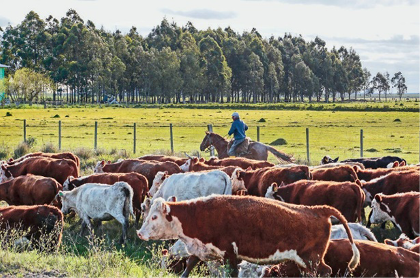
<point x="238" y="129"/>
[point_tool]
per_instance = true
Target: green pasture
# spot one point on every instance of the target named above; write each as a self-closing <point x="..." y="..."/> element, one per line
<point x="336" y="133"/>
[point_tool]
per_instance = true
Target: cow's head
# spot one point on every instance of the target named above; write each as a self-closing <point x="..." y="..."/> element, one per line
<point x="271" y="190"/>
<point x="186" y="166"/>
<point x="99" y="167"/>
<point x="68" y="185"/>
<point x="159" y="223"/>
<point x="67" y="201"/>
<point x="157" y="182"/>
<point x="403" y="241"/>
<point x="380" y="211"/>
<point x="238" y="178"/>
<point x="10" y="161"/>
<point x="145" y="207"/>
<point x="327" y="159"/>
<point x="5" y="174"/>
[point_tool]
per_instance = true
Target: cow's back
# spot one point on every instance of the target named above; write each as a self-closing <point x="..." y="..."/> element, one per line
<point x="339" y="173"/>
<point x="281" y="175"/>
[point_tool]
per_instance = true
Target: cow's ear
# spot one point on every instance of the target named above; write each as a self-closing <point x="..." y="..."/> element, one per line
<point x="275" y="187"/>
<point x="416" y="240"/>
<point x="249" y="168"/>
<point x="10" y="159"/>
<point x="388" y="242"/>
<point x="61" y="193"/>
<point x="201" y="159"/>
<point x="378" y="198"/>
<point x="165" y="173"/>
<point x="172" y="199"/>
<point x="103" y="162"/>
<point x="402" y="163"/>
<point x="336" y="159"/>
<point x="207" y="132"/>
<point x="356" y="168"/>
<point x="282" y="184"/>
<point x="109" y="161"/>
<point x="3" y="167"/>
<point x="358" y="182"/>
<point x="165" y="253"/>
<point x="195" y="160"/>
<point x="165" y="208"/>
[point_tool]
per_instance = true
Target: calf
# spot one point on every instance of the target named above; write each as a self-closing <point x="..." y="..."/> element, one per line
<point x="347" y="197"/>
<point x="58" y="169"/>
<point x="339" y="173"/>
<point x="138" y="183"/>
<point x="241" y="162"/>
<point x="241" y="227"/>
<point x="257" y="181"/>
<point x="145" y="167"/>
<point x="163" y="158"/>
<point x="392" y="183"/>
<point x="43" y="224"/>
<point x="376" y="260"/>
<point x="358" y="231"/>
<point x="402" y="209"/>
<point x="30" y="190"/>
<point x="406" y="243"/>
<point x="100" y="202"/>
<point x="66" y="155"/>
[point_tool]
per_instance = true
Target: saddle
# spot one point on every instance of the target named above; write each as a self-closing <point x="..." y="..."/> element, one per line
<point x="242" y="148"/>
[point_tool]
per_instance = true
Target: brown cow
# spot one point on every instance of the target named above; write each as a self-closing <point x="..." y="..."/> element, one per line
<point x="137" y="181"/>
<point x="370" y="174"/>
<point x="37" y="221"/>
<point x="241" y="162"/>
<point x="346" y="197"/>
<point x="233" y="228"/>
<point x="195" y="165"/>
<point x="66" y="155"/>
<point x="402" y="209"/>
<point x="58" y="169"/>
<point x="147" y="168"/>
<point x="30" y="190"/>
<point x="339" y="173"/>
<point x="395" y="182"/>
<point x="406" y="243"/>
<point x="257" y="181"/>
<point x="163" y="158"/>
<point x="376" y="260"/>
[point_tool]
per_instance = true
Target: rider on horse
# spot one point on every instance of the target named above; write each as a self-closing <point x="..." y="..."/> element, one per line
<point x="238" y="130"/>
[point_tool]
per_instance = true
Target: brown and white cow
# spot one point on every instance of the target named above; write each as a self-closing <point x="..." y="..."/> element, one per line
<point x="147" y="168"/>
<point x="137" y="181"/>
<point x="339" y="173"/>
<point x="235" y="228"/>
<point x="241" y="162"/>
<point x="257" y="181"/>
<point x="195" y="165"/>
<point x="405" y="242"/>
<point x="59" y="169"/>
<point x="30" y="190"/>
<point x="37" y="221"/>
<point x="163" y="158"/>
<point x="370" y="174"/>
<point x="396" y="182"/>
<point x="401" y="208"/>
<point x="66" y="155"/>
<point x="376" y="260"/>
<point x="346" y="197"/>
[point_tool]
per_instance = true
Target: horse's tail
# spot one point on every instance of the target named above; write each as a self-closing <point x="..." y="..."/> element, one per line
<point x="281" y="156"/>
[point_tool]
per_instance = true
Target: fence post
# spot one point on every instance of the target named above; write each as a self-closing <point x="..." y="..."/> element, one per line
<point x="307" y="146"/>
<point x="135" y="138"/>
<point x="258" y="134"/>
<point x="210" y="129"/>
<point x="172" y="138"/>
<point x="361" y="143"/>
<point x="96" y="135"/>
<point x="59" y="135"/>
<point x="24" y="130"/>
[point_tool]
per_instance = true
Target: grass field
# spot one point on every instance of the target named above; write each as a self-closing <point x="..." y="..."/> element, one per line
<point x="336" y="133"/>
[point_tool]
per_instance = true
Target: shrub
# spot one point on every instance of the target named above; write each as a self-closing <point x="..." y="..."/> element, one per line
<point x="372" y="150"/>
<point x="4" y="152"/>
<point x="279" y="142"/>
<point x="8" y="114"/>
<point x="56" y="116"/>
<point x="49" y="148"/>
<point x="397" y="120"/>
<point x="31" y="141"/>
<point x="83" y="153"/>
<point x="262" y="120"/>
<point x="21" y="149"/>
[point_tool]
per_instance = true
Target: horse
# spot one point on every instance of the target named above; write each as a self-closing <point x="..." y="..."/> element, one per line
<point x="256" y="150"/>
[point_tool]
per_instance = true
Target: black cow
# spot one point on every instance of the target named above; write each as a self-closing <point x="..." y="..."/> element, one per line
<point x="368" y="162"/>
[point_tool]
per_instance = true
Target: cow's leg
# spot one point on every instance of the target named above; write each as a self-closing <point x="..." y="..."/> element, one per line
<point x="85" y="223"/>
<point x="233" y="262"/>
<point x="191" y="262"/>
<point x="124" y="222"/>
<point x="368" y="220"/>
<point x="138" y="214"/>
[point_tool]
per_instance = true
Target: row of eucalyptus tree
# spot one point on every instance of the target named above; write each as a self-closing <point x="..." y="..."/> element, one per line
<point x="177" y="64"/>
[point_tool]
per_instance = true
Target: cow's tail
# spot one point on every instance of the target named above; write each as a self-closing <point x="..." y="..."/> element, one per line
<point x="128" y="193"/>
<point x="228" y="185"/>
<point x="281" y="156"/>
<point x="360" y="195"/>
<point x="355" y="259"/>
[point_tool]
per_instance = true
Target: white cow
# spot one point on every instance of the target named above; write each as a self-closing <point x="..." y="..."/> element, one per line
<point x="100" y="202"/>
<point x="358" y="231"/>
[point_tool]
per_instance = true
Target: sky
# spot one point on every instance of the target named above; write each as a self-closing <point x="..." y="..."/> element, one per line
<point x="385" y="33"/>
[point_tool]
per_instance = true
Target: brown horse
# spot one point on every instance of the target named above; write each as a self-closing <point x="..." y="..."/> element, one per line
<point x="256" y="150"/>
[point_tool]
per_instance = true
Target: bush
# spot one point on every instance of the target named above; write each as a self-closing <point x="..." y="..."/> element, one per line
<point x="8" y="114"/>
<point x="83" y="153"/>
<point x="262" y="120"/>
<point x="397" y="120"/>
<point x="21" y="149"/>
<point x="278" y="142"/>
<point x="49" y="148"/>
<point x="4" y="152"/>
<point x="31" y="141"/>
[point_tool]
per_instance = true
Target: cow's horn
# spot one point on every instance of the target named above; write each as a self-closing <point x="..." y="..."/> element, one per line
<point x="188" y="156"/>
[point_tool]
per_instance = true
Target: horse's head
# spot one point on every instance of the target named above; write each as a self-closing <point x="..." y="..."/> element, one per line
<point x="207" y="141"/>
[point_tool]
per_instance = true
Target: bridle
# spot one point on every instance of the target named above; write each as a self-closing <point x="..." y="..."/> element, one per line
<point x="210" y="141"/>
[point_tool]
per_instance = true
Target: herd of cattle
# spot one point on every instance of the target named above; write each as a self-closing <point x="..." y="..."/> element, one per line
<point x="264" y="220"/>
